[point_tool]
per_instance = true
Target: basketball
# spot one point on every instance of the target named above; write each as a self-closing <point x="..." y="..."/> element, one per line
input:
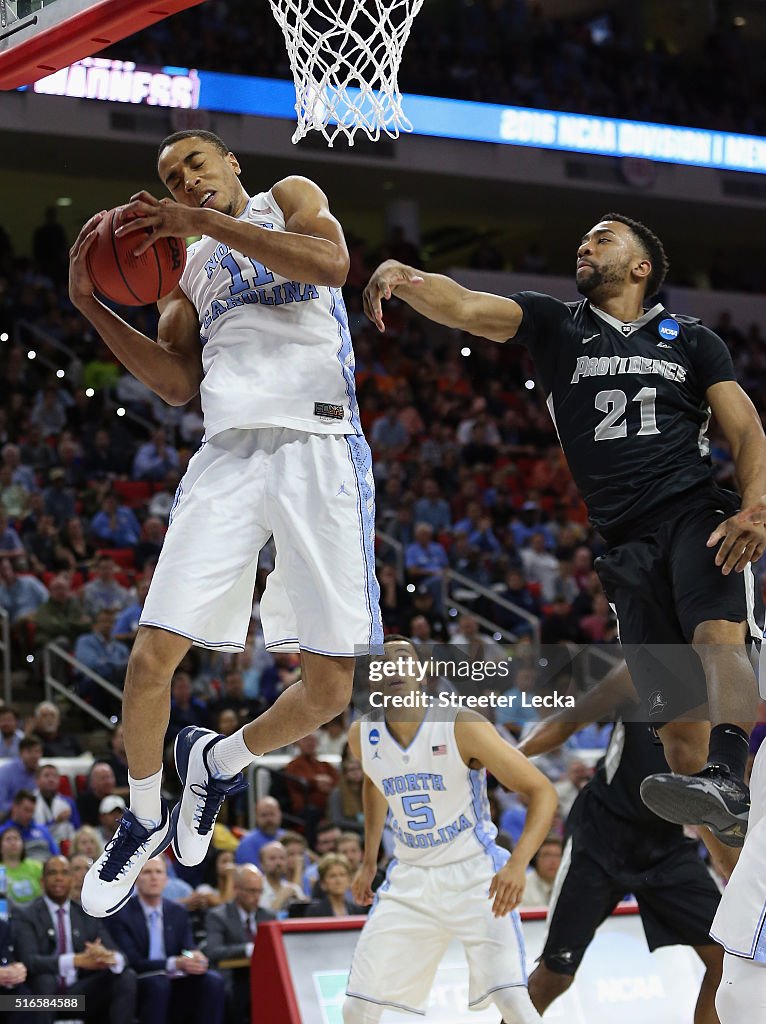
<point x="132" y="280"/>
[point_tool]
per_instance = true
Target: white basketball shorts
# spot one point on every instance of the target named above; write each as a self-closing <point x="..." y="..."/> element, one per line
<point x="315" y="494"/>
<point x="416" y="915"/>
<point x="740" y="921"/>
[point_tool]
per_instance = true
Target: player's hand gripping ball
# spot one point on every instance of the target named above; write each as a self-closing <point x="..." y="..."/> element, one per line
<point x="120" y="275"/>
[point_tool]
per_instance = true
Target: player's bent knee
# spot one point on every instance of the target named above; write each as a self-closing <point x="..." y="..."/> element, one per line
<point x="329" y="684"/>
<point x="516" y="1006"/>
<point x="356" y="1011"/>
<point x="154" y="657"/>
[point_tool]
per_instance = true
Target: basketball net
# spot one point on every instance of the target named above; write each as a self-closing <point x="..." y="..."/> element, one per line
<point x="345" y="57"/>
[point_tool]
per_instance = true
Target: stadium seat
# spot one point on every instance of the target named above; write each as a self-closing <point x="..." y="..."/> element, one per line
<point x="124" y="557"/>
<point x="133" y="493"/>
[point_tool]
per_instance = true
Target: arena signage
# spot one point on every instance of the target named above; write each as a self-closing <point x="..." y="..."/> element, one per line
<point x="119" y="81"/>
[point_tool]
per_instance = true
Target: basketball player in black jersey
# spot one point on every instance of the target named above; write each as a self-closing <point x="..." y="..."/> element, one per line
<point x="614" y="846"/>
<point x="631" y="392"/>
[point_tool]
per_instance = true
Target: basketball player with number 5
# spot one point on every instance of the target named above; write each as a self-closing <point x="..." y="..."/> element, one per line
<point x="631" y="391"/>
<point x="426" y="769"/>
<point x="258" y="326"/>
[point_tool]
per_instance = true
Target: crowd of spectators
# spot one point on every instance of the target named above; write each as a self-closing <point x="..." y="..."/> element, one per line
<point x="508" y="52"/>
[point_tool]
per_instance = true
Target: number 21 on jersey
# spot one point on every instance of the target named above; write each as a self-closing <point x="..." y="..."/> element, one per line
<point x="615" y="404"/>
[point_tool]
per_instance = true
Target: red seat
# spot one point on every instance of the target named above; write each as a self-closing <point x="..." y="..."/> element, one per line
<point x="124" y="557"/>
<point x="133" y="492"/>
<point x="65" y="786"/>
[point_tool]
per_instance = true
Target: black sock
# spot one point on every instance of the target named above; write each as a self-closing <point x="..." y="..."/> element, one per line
<point x="729" y="745"/>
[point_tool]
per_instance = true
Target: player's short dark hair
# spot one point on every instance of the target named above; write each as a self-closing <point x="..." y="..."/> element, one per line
<point x="28" y="742"/>
<point x="6" y="709"/>
<point x="211" y="137"/>
<point x="401" y="638"/>
<point x="651" y="245"/>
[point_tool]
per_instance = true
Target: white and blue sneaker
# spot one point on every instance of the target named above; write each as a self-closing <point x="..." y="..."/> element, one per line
<point x="194" y="816"/>
<point x="109" y="882"/>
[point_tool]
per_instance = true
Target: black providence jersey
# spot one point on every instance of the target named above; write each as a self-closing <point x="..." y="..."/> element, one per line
<point x="628" y="401"/>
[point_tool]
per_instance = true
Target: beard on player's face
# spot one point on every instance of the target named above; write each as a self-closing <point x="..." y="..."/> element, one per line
<point x="593" y="282"/>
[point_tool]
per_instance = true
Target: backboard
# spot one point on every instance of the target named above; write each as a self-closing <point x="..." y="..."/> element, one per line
<point x="38" y="37"/>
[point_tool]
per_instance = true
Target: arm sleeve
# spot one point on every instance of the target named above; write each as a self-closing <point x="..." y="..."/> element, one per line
<point x="542" y="315"/>
<point x="711" y="359"/>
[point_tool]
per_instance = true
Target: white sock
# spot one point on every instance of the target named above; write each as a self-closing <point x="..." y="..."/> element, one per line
<point x="230" y="756"/>
<point x="145" y="800"/>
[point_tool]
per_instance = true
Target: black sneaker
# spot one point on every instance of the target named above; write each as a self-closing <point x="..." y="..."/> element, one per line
<point x="712" y="797"/>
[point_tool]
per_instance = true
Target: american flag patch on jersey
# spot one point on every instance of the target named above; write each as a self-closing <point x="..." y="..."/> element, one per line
<point x="441" y="748"/>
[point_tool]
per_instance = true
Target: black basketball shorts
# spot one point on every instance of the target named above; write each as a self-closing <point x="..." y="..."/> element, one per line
<point x="677" y="899"/>
<point x="662" y="585"/>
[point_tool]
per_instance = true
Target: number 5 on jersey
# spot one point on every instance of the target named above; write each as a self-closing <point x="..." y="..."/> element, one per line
<point x="422" y="814"/>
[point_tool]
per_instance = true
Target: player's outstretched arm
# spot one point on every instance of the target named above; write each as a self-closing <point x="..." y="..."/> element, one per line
<point x="172" y="366"/>
<point x="596" y="705"/>
<point x="312" y="248"/>
<point x="375" y="809"/>
<point x="742" y="538"/>
<point x="442" y="300"/>
<point x="479" y="742"/>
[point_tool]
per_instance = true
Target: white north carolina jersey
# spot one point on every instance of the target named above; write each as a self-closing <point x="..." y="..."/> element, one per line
<point x="274" y="352"/>
<point x="740" y="922"/>
<point x="439" y="812"/>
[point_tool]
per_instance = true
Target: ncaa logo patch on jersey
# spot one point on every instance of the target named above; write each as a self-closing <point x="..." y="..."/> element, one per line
<point x="374" y="737"/>
<point x="669" y="330"/>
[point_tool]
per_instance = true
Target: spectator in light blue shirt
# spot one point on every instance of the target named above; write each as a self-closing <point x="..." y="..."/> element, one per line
<point x="268" y="827"/>
<point x="477" y="526"/>
<point x="21" y="596"/>
<point x="115" y="524"/>
<point x="156" y="458"/>
<point x="432" y="508"/>
<point x="20" y="773"/>
<point x="425" y="560"/>
<point x="103" y="592"/>
<point x="126" y="625"/>
<point x="10" y="542"/>
<point x="39" y="844"/>
<point x="97" y="650"/>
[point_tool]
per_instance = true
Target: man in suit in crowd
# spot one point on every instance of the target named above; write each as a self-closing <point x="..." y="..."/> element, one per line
<point x="231" y="930"/>
<point x="68" y="953"/>
<point x="174" y="981"/>
<point x="13" y="974"/>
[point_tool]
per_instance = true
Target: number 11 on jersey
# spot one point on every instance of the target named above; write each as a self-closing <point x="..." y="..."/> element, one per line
<point x="239" y="283"/>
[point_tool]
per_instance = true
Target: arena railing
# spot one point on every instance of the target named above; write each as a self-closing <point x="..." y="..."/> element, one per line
<point x="5" y="647"/>
<point x="62" y="687"/>
<point x="452" y="598"/>
<point x="23" y="330"/>
<point x="469" y="586"/>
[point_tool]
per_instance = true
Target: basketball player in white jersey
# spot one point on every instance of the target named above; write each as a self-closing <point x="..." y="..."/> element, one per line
<point x="258" y="327"/>
<point x="740" y="923"/>
<point x="425" y="768"/>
